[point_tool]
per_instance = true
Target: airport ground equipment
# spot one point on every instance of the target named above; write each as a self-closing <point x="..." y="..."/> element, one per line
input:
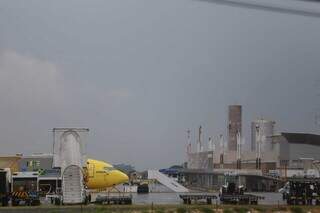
<point x="69" y="155"/>
<point x="73" y="190"/>
<point x="143" y="187"/>
<point x="190" y="197"/>
<point x="49" y="182"/>
<point x="4" y="187"/>
<point x="25" y="189"/>
<point x="231" y="193"/>
<point x="302" y="191"/>
<point x="167" y="181"/>
<point x="240" y="199"/>
<point x="114" y="199"/>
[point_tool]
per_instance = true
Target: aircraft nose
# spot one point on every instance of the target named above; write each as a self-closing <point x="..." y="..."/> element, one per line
<point x="122" y="177"/>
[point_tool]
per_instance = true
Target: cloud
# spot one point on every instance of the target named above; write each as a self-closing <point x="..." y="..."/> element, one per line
<point x="27" y="81"/>
<point x="31" y="94"/>
<point x="119" y="93"/>
<point x="109" y="100"/>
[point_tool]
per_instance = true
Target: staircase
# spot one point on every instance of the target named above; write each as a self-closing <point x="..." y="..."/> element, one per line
<point x="166" y="181"/>
<point x="72" y="188"/>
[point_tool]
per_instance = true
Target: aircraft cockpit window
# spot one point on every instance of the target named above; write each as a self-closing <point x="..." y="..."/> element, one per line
<point x="109" y="169"/>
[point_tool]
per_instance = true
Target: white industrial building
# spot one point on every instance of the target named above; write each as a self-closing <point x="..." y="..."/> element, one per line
<point x="266" y="128"/>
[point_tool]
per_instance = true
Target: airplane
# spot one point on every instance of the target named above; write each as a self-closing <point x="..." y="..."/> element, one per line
<point x="101" y="175"/>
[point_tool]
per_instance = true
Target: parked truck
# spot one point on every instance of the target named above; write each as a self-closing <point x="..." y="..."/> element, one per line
<point x="25" y="189"/>
<point x="302" y="191"/>
<point x="4" y="186"/>
<point x="233" y="193"/>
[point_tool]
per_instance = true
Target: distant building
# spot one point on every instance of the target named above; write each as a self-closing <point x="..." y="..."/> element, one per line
<point x="292" y="154"/>
<point x="36" y="162"/>
<point x="267" y="131"/>
<point x="289" y="151"/>
<point x="234" y="125"/>
<point x="293" y="148"/>
<point x="200" y="160"/>
<point x="11" y="162"/>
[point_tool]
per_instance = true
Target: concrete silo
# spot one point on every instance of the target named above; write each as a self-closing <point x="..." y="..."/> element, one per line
<point x="234" y="125"/>
<point x="266" y="129"/>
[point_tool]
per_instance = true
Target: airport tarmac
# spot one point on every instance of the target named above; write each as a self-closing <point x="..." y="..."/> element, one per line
<point x="173" y="198"/>
<point x="162" y="195"/>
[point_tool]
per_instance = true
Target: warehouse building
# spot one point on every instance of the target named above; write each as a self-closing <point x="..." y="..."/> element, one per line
<point x="289" y="151"/>
<point x="11" y="162"/>
<point x="296" y="150"/>
<point x="36" y="162"/>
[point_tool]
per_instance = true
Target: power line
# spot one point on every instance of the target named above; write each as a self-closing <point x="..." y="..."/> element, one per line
<point x="267" y="7"/>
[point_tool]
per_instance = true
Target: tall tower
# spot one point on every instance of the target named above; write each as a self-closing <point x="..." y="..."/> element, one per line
<point x="234" y="125"/>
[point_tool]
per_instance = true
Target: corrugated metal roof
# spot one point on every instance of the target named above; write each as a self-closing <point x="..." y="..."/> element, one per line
<point x="302" y="138"/>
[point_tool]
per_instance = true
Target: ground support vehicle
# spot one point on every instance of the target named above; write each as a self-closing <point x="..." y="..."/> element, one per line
<point x="28" y="198"/>
<point x="302" y="191"/>
<point x="230" y="193"/>
<point x="4" y="187"/>
<point x="190" y="197"/>
<point x="240" y="199"/>
<point x="114" y="199"/>
<point x="24" y="189"/>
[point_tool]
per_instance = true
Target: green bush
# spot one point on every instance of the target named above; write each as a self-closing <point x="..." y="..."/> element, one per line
<point x="280" y="208"/>
<point x="101" y="210"/>
<point x="206" y="210"/>
<point x="240" y="209"/>
<point x="160" y="210"/>
<point x="181" y="210"/>
<point x="227" y="211"/>
<point x="260" y="209"/>
<point x="296" y="209"/>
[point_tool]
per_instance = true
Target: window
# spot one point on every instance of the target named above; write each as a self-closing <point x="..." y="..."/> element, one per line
<point x="109" y="169"/>
<point x="33" y="164"/>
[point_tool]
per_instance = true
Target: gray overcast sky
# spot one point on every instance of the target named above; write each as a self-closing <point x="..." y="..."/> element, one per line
<point x="139" y="73"/>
